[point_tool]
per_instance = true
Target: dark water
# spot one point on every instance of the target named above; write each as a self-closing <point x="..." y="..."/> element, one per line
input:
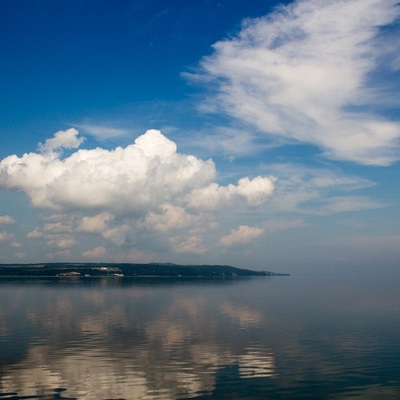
<point x="298" y="337"/>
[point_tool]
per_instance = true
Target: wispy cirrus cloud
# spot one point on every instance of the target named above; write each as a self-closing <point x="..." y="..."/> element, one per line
<point x="305" y="73"/>
<point x="319" y="191"/>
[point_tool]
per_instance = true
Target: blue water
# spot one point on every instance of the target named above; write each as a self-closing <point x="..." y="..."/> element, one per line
<point x="298" y="337"/>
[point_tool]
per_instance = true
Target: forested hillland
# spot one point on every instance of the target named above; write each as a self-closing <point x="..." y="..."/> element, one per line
<point x="127" y="270"/>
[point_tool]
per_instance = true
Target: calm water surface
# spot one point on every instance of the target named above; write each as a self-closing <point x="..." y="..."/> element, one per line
<point x="298" y="337"/>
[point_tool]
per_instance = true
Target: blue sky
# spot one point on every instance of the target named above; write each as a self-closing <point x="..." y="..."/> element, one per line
<point x="259" y="134"/>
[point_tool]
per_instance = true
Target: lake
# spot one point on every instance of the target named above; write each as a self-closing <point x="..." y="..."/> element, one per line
<point x="298" y="337"/>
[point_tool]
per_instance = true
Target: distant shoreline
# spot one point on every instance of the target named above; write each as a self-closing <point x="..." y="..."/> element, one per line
<point x="130" y="270"/>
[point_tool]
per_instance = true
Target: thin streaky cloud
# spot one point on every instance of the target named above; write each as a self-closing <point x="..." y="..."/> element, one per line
<point x="101" y="132"/>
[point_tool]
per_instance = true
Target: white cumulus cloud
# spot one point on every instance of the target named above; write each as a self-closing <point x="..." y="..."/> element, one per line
<point x="135" y="179"/>
<point x="95" y="252"/>
<point x="146" y="195"/>
<point x="304" y="73"/>
<point x="254" y="191"/>
<point x="6" y="220"/>
<point x="62" y="243"/>
<point x="171" y="218"/>
<point x="35" y="234"/>
<point x="104" y="224"/>
<point x="244" y="234"/>
<point x="193" y="244"/>
<point x="62" y="139"/>
<point x="4" y="236"/>
<point x="96" y="224"/>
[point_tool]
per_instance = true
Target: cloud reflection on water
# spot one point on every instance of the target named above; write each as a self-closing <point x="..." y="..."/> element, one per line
<point x="194" y="340"/>
<point x="133" y="343"/>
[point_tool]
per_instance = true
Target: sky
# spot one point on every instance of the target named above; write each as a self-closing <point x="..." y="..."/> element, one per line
<point x="261" y="134"/>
